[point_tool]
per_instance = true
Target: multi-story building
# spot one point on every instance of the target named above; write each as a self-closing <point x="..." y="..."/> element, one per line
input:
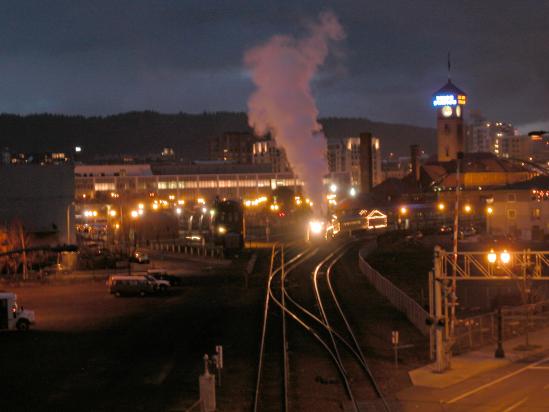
<point x="521" y="210"/>
<point x="336" y="155"/>
<point x="104" y="182"/>
<point x="497" y="137"/>
<point x="516" y="147"/>
<point x="343" y="156"/>
<point x="267" y="152"/>
<point x="233" y="147"/>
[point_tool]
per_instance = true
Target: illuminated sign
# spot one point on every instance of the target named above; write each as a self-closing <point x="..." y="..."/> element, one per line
<point x="445" y="100"/>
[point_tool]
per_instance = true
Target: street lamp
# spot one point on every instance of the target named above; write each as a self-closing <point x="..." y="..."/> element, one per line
<point x="505" y="257"/>
<point x="333" y="188"/>
<point x="441" y="206"/>
<point x="467" y="208"/>
<point x="492" y="256"/>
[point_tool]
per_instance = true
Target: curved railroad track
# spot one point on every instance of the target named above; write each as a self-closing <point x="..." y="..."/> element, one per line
<point x="329" y="327"/>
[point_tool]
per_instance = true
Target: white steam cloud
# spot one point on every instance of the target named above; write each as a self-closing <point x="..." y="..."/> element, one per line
<point x="282" y="70"/>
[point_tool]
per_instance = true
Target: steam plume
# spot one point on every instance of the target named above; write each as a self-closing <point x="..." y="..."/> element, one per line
<point x="282" y="70"/>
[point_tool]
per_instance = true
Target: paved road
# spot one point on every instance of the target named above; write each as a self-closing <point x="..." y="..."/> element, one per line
<point x="521" y="387"/>
<point x="91" y="351"/>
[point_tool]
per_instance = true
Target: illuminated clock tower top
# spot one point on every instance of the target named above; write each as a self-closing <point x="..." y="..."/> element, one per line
<point x="449" y="102"/>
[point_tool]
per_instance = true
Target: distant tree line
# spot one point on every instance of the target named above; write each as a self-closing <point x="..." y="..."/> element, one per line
<point x="148" y="132"/>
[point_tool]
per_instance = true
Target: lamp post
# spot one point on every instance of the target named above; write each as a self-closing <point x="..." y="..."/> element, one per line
<point x="504" y="259"/>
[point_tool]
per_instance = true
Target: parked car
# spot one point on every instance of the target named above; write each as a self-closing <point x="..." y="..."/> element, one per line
<point x="159" y="284"/>
<point x="468" y="231"/>
<point x="140" y="257"/>
<point x="445" y="229"/>
<point x="161" y="274"/>
<point x="130" y="285"/>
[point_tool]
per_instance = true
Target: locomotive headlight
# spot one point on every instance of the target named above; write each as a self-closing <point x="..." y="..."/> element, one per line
<point x="316" y="226"/>
<point x="222" y="230"/>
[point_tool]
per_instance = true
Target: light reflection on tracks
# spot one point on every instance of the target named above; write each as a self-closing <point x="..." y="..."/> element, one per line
<point x="319" y="326"/>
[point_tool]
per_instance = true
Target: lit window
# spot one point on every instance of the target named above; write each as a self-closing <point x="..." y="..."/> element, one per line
<point x="103" y="187"/>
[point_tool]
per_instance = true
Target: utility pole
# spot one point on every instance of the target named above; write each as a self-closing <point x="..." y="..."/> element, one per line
<point x="440" y="349"/>
<point x="453" y="289"/>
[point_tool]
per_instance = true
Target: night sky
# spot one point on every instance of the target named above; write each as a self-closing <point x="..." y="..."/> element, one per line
<point x="108" y="57"/>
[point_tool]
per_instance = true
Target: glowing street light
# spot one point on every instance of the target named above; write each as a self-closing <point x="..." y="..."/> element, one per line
<point x="352" y="192"/>
<point x="112" y="213"/>
<point x="505" y="257"/>
<point x="140" y="206"/>
<point x="333" y="188"/>
<point x="441" y="206"/>
<point x="154" y="206"/>
<point x="134" y="214"/>
<point x="178" y="210"/>
<point x="467" y="208"/>
<point x="403" y="210"/>
<point x="492" y="256"/>
<point x="140" y="212"/>
<point x="490" y="210"/>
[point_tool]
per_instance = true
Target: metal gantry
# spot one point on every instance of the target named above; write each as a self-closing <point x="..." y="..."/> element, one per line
<point x="449" y="268"/>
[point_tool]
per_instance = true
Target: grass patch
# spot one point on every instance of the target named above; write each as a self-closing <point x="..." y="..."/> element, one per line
<point x="405" y="263"/>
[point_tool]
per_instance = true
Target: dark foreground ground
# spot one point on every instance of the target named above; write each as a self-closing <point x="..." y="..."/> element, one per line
<point x="91" y="351"/>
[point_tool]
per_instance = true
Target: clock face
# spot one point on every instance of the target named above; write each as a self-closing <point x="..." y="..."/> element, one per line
<point x="458" y="111"/>
<point x="446" y="111"/>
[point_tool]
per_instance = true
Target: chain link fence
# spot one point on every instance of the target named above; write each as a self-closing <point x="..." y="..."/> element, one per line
<point x="474" y="332"/>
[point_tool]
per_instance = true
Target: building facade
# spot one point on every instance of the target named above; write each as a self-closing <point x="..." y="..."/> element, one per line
<point x="449" y="102"/>
<point x="267" y="152"/>
<point x="521" y="210"/>
<point x="344" y="157"/>
<point x="232" y="147"/>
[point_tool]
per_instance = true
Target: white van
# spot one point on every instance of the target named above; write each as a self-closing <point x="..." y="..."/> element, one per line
<point x="11" y="315"/>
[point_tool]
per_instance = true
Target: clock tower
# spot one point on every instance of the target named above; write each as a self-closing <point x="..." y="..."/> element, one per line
<point x="449" y="102"/>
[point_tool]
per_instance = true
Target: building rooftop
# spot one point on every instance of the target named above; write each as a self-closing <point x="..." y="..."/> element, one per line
<point x="450" y="88"/>
<point x="538" y="182"/>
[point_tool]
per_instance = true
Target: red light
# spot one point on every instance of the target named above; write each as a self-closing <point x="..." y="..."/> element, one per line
<point x="282" y="214"/>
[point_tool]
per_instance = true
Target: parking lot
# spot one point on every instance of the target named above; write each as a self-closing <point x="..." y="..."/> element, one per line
<point x="91" y="351"/>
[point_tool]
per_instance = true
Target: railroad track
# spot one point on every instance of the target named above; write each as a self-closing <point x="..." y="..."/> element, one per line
<point x="325" y="322"/>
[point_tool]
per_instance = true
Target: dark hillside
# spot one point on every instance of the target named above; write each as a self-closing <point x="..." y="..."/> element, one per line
<point x="148" y="132"/>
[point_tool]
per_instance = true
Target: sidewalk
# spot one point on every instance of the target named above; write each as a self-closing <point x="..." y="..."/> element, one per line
<point x="474" y="363"/>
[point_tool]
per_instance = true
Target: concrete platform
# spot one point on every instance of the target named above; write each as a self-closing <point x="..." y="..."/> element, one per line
<point x="474" y="363"/>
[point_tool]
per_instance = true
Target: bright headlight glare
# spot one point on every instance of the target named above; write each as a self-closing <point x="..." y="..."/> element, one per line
<point x="316" y="226"/>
